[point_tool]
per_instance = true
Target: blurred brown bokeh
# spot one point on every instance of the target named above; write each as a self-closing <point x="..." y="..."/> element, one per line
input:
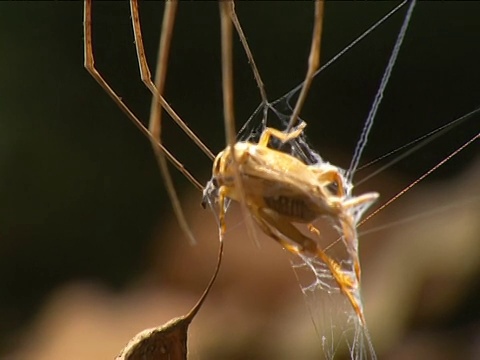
<point x="417" y="277"/>
<point x="90" y="253"/>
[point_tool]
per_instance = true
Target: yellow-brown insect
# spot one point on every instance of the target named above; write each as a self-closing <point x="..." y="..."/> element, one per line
<point x="278" y="190"/>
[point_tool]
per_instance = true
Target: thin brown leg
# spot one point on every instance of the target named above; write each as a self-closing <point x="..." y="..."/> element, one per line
<point x="283" y="137"/>
<point x="90" y="66"/>
<point x="157" y="90"/>
<point x="313" y="62"/>
<point x="147" y="78"/>
<point x="279" y="228"/>
<point x="348" y="285"/>
<point x="248" y="52"/>
<point x="228" y="108"/>
<point x="227" y="73"/>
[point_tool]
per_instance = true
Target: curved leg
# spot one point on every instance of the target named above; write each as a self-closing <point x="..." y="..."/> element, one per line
<point x="160" y="149"/>
<point x="330" y="175"/>
<point x="284" y="137"/>
<point x="281" y="230"/>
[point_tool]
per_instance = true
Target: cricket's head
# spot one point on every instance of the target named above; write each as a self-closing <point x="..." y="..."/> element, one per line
<point x="224" y="165"/>
<point x="223" y="170"/>
<point x="210" y="193"/>
<point x="220" y="163"/>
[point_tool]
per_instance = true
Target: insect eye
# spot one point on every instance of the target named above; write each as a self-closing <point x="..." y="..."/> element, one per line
<point x="333" y="188"/>
<point x="215" y="182"/>
<point x="217" y="163"/>
<point x="228" y="160"/>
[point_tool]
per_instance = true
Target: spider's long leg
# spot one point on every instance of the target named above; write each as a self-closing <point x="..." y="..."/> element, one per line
<point x="147" y="78"/>
<point x="155" y="123"/>
<point x="313" y="62"/>
<point x="227" y="73"/>
<point x="228" y="108"/>
<point x="251" y="60"/>
<point x="90" y="66"/>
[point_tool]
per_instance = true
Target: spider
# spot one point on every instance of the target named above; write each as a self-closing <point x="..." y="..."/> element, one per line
<point x="278" y="190"/>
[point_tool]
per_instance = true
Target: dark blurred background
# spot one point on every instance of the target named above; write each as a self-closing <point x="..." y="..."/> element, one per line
<point x="80" y="192"/>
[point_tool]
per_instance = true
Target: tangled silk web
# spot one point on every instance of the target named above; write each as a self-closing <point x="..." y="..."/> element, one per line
<point x="336" y="309"/>
<point x="329" y="279"/>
